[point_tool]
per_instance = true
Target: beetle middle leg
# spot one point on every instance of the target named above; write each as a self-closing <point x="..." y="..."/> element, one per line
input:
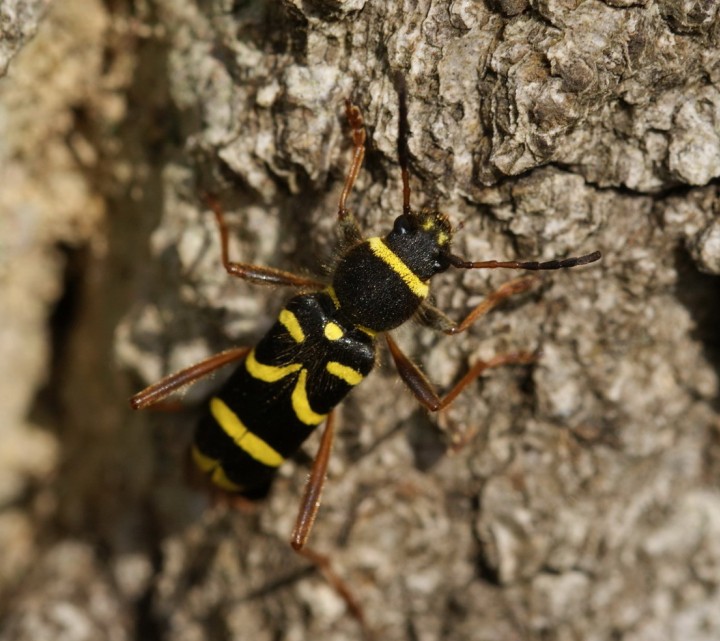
<point x="432" y="317"/>
<point x="423" y="389"/>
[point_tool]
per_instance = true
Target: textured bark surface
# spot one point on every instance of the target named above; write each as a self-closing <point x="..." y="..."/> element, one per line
<point x="584" y="505"/>
<point x="18" y="23"/>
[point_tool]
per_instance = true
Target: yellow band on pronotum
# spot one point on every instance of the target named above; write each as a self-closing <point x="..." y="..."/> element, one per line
<point x="390" y="258"/>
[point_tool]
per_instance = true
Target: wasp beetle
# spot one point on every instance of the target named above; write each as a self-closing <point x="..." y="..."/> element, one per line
<point x="325" y="340"/>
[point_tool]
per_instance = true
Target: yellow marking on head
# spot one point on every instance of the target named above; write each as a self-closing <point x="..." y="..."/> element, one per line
<point x="292" y="325"/>
<point x="214" y="470"/>
<point x="268" y="373"/>
<point x="384" y="253"/>
<point x="330" y="291"/>
<point x="333" y="332"/>
<point x="348" y="374"/>
<point x="442" y="238"/>
<point x="301" y="404"/>
<point x="428" y="224"/>
<point x="247" y="441"/>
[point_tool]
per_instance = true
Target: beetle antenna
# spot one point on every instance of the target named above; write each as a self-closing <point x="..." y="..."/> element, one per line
<point x="562" y="263"/>
<point x="403" y="133"/>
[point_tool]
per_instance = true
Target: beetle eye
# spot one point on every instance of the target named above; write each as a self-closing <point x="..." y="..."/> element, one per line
<point x="442" y="262"/>
<point x="402" y="225"/>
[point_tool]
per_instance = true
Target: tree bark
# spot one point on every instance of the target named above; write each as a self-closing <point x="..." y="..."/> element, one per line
<point x="583" y="505"/>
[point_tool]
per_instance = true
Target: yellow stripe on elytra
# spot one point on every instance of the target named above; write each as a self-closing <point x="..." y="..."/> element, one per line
<point x="213" y="468"/>
<point x="205" y="463"/>
<point x="220" y="479"/>
<point x="390" y="258"/>
<point x="292" y="325"/>
<point x="301" y="404"/>
<point x="268" y="373"/>
<point x="348" y="374"/>
<point x="246" y="440"/>
<point x="333" y="331"/>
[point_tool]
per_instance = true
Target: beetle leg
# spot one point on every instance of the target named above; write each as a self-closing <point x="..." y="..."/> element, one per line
<point x="162" y="389"/>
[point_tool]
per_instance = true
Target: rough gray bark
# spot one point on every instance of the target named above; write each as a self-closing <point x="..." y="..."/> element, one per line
<point x="19" y="20"/>
<point x="584" y="504"/>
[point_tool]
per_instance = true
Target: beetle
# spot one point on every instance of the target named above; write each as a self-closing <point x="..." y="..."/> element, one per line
<point x="324" y="341"/>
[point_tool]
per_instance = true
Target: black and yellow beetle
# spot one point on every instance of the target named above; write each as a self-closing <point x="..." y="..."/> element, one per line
<point x="325" y="340"/>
